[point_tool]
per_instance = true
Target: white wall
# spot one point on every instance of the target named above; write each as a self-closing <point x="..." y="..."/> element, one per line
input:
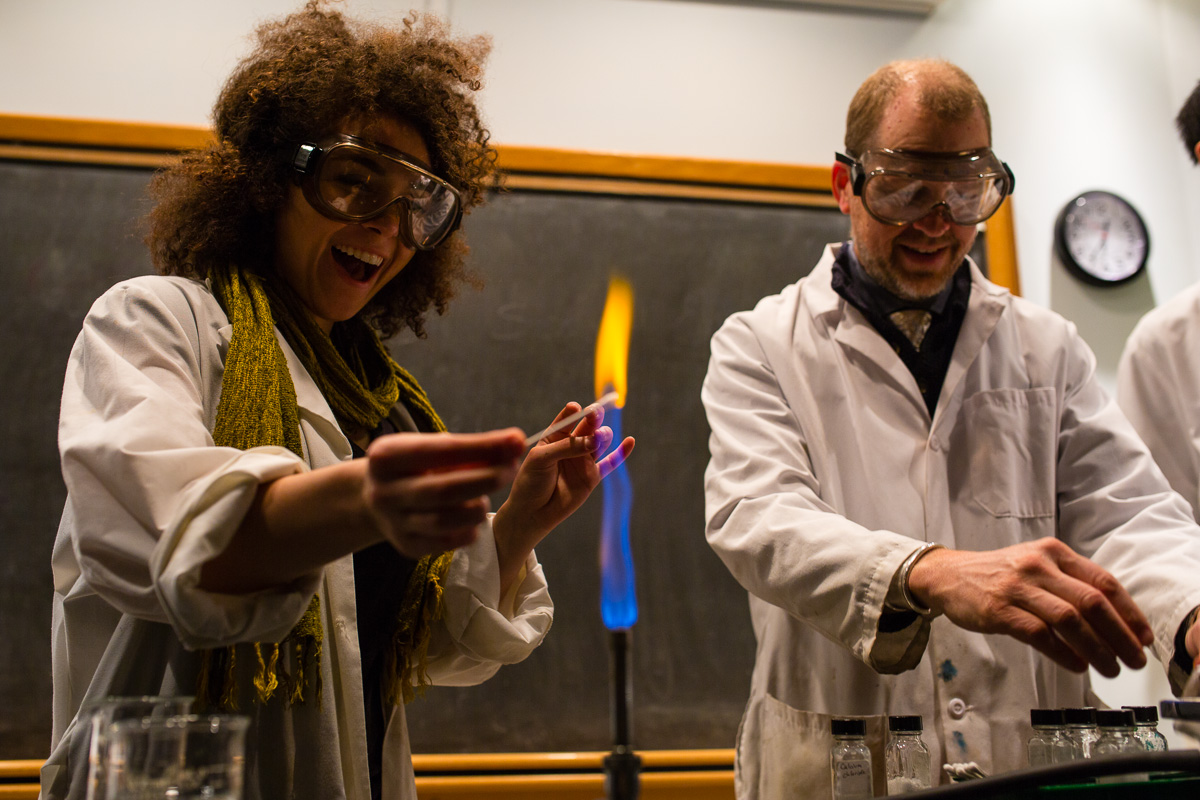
<point x="1082" y="92"/>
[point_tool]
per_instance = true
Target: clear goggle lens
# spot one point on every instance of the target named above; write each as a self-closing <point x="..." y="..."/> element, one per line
<point x="350" y="180"/>
<point x="898" y="188"/>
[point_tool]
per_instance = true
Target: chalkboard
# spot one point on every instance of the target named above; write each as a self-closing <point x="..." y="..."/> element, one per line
<point x="511" y="354"/>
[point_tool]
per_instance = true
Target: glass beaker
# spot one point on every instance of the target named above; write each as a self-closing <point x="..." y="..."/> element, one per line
<point x="176" y="758"/>
<point x="108" y="710"/>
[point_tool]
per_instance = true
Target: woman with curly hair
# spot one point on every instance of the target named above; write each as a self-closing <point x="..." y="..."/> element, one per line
<point x="264" y="510"/>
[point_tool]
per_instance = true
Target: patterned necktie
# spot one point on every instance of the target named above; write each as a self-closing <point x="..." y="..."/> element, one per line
<point x="913" y="323"/>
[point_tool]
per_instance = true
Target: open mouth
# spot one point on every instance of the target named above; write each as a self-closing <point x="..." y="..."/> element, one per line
<point x="923" y="253"/>
<point x="359" y="265"/>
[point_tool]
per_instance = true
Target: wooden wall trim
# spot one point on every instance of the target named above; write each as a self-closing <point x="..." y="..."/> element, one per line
<point x="148" y="145"/>
<point x="101" y="134"/>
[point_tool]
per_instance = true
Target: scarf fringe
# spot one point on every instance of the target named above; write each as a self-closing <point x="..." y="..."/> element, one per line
<point x="406" y="664"/>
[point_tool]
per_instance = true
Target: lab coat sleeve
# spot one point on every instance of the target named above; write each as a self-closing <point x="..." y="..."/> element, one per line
<point x="482" y="631"/>
<point x="1156" y="390"/>
<point x="150" y="496"/>
<point x="1116" y="507"/>
<point x="767" y="521"/>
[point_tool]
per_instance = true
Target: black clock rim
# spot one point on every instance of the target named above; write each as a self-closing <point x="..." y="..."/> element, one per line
<point x="1073" y="266"/>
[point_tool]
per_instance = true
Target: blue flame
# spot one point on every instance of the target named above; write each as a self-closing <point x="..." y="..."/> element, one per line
<point x="618" y="596"/>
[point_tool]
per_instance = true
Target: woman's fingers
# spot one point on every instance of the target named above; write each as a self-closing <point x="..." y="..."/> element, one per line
<point x="616" y="458"/>
<point x="428" y="492"/>
<point x="401" y="454"/>
<point x="436" y="490"/>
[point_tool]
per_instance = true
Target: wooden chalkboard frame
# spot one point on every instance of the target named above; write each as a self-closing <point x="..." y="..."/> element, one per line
<point x="137" y="144"/>
<point x="145" y="145"/>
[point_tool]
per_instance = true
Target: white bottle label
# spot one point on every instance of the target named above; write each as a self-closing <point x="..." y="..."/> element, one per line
<point x="852" y="779"/>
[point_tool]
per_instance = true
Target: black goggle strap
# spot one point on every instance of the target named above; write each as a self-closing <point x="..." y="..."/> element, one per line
<point x="1012" y="179"/>
<point x="857" y="176"/>
<point x="304" y="160"/>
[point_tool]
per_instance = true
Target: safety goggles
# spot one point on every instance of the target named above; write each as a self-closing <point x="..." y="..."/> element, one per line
<point x="897" y="187"/>
<point x="350" y="179"/>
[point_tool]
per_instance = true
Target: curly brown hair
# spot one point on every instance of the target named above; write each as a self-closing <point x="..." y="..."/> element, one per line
<point x="310" y="72"/>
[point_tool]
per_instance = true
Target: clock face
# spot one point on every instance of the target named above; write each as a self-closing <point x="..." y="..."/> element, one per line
<point x="1102" y="238"/>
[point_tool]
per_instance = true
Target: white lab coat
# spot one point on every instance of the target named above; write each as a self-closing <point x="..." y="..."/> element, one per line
<point x="826" y="471"/>
<point x="1158" y="388"/>
<point x="150" y="498"/>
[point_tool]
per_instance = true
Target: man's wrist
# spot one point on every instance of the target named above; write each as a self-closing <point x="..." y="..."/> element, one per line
<point x="906" y="571"/>
<point x="900" y="597"/>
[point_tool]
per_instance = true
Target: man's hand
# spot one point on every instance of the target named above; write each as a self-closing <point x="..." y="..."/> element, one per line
<point x="1041" y="593"/>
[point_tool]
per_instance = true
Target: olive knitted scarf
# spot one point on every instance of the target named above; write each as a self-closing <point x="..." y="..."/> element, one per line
<point x="258" y="406"/>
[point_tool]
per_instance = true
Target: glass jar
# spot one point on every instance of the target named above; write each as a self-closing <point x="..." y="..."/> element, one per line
<point x="1081" y="731"/>
<point x="1049" y="743"/>
<point x="1147" y="728"/>
<point x="849" y="760"/>
<point x="1117" y="726"/>
<point x="906" y="756"/>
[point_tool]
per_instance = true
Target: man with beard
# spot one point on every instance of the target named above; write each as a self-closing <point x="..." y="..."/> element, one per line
<point x="932" y="503"/>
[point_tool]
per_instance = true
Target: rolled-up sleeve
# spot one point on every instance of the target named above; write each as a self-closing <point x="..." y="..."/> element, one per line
<point x="152" y="498"/>
<point x="482" y="631"/>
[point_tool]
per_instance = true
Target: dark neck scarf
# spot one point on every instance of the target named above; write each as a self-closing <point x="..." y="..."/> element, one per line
<point x="928" y="359"/>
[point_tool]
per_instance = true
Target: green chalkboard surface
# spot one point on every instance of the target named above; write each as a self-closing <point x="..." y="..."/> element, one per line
<point x="510" y="354"/>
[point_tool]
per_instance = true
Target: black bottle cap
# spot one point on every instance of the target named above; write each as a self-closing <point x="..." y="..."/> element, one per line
<point x="848" y="727"/>
<point x="905" y="724"/>
<point x="1079" y="716"/>
<point x="1114" y="718"/>
<point x="1045" y="716"/>
<point x="1144" y="714"/>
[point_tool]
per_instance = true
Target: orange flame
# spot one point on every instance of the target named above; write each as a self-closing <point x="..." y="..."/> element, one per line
<point x="612" y="343"/>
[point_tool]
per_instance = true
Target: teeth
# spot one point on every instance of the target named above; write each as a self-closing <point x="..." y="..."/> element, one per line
<point x="368" y="258"/>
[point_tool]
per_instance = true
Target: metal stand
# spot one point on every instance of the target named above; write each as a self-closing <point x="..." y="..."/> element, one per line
<point x="621" y="767"/>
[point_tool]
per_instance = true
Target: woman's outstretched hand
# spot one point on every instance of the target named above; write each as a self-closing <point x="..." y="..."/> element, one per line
<point x="428" y="493"/>
<point x="555" y="479"/>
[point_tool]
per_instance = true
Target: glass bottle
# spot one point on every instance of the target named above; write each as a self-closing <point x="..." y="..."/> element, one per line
<point x="906" y="756"/>
<point x="1049" y="743"/>
<point x="1081" y="731"/>
<point x="1147" y="728"/>
<point x="1117" y="726"/>
<point x="850" y="760"/>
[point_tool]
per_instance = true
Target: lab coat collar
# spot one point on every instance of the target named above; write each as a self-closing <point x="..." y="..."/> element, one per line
<point x="852" y="331"/>
<point x="984" y="310"/>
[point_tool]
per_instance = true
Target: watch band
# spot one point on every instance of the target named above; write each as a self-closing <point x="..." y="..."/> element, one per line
<point x="906" y="569"/>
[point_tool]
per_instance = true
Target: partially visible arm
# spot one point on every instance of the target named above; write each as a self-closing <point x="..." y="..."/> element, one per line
<point x="1157" y="390"/>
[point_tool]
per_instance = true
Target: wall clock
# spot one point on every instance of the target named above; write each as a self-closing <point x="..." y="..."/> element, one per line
<point x="1101" y="238"/>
